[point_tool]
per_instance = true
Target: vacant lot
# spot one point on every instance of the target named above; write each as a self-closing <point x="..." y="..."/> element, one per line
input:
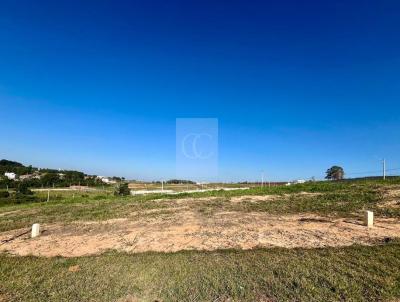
<point x="304" y="242"/>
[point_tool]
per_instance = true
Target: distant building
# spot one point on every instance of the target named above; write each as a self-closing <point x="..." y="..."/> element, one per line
<point x="106" y="180"/>
<point x="29" y="176"/>
<point x="202" y="183"/>
<point x="10" y="175"/>
<point x="26" y="176"/>
<point x="298" y="181"/>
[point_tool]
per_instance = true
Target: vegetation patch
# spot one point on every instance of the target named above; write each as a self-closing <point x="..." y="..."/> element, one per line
<point x="341" y="199"/>
<point x="357" y="273"/>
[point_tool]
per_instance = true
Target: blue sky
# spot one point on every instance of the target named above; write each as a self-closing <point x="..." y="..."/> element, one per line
<point x="296" y="86"/>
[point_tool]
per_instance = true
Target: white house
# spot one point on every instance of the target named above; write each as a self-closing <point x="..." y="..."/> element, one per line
<point x="10" y="175"/>
<point x="298" y="181"/>
<point x="106" y="180"/>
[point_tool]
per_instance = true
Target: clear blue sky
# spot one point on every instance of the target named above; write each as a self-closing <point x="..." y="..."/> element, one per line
<point x="297" y="86"/>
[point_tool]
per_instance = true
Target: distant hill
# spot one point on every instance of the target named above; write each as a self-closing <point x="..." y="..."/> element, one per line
<point x="36" y="177"/>
<point x="10" y="163"/>
<point x="13" y="166"/>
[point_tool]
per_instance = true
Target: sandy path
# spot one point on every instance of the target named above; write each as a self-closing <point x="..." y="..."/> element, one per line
<point x="187" y="230"/>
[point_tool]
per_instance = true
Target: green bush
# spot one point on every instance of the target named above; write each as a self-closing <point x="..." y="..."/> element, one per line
<point x="22" y="188"/>
<point x="4" y="194"/>
<point x="23" y="198"/>
<point x="122" y="189"/>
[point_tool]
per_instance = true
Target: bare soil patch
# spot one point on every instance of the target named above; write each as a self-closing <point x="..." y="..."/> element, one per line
<point x="262" y="198"/>
<point x="255" y="198"/>
<point x="391" y="199"/>
<point x="9" y="213"/>
<point x="74" y="268"/>
<point x="186" y="229"/>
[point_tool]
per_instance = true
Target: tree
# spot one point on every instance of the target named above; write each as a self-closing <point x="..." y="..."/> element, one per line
<point x="49" y="179"/>
<point x="6" y="183"/>
<point x="23" y="194"/>
<point x="22" y="188"/>
<point x="29" y="169"/>
<point x="179" y="181"/>
<point x="335" y="173"/>
<point x="122" y="189"/>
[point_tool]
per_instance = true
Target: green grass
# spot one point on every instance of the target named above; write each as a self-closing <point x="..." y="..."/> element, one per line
<point x="354" y="273"/>
<point x="341" y="203"/>
<point x="336" y="198"/>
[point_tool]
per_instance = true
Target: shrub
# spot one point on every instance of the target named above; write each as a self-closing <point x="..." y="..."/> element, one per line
<point x="122" y="189"/>
<point x="22" y="188"/>
<point x="23" y="198"/>
<point x="4" y="194"/>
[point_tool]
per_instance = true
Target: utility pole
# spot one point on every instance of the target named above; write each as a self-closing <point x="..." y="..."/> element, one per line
<point x="384" y="168"/>
<point x="262" y="178"/>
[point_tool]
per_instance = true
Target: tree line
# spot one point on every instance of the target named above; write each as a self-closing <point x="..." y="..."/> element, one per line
<point x="44" y="177"/>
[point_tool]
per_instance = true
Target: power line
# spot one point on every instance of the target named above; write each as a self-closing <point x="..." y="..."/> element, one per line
<point x="369" y="172"/>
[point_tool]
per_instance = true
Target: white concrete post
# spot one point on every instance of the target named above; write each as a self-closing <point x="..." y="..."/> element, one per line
<point x="35" y="230"/>
<point x="369" y="219"/>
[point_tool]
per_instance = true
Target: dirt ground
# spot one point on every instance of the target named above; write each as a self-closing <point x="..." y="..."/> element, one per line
<point x="391" y="199"/>
<point x="255" y="198"/>
<point x="183" y="228"/>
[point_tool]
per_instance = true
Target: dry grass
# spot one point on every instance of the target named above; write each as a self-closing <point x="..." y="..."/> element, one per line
<point x="354" y="273"/>
<point x="331" y="274"/>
